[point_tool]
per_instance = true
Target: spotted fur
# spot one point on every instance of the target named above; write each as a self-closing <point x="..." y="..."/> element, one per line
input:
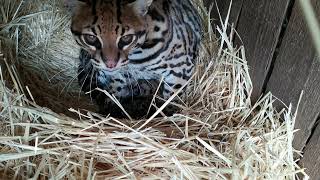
<point x="126" y="44"/>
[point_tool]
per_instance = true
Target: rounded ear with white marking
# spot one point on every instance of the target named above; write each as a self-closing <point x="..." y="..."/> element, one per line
<point x="141" y="6"/>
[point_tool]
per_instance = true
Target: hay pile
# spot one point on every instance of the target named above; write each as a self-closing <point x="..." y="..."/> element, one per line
<point x="217" y="135"/>
<point x="37" y="41"/>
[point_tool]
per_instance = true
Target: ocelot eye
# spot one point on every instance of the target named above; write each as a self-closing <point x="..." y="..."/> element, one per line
<point x="125" y="40"/>
<point x="90" y="39"/>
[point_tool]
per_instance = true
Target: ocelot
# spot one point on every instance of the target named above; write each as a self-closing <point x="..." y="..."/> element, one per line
<point x="128" y="46"/>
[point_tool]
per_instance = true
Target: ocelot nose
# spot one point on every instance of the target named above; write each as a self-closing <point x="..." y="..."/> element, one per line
<point x="111" y="63"/>
<point x="111" y="56"/>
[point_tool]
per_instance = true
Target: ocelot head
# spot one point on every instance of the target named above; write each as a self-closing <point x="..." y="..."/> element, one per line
<point x="109" y="29"/>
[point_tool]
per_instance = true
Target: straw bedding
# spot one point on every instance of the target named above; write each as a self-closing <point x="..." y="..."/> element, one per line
<point x="50" y="131"/>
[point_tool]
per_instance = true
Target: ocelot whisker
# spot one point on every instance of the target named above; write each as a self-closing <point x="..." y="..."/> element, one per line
<point x="92" y="73"/>
<point x="83" y="83"/>
<point x="66" y="87"/>
<point x="61" y="71"/>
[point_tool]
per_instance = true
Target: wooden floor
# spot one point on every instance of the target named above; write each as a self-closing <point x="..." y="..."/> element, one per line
<point x="282" y="60"/>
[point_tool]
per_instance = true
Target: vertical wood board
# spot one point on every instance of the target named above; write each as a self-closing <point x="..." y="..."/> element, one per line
<point x="259" y="27"/>
<point x="311" y="159"/>
<point x="296" y="69"/>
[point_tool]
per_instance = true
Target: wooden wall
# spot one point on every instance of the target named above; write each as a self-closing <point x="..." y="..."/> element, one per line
<point x="282" y="60"/>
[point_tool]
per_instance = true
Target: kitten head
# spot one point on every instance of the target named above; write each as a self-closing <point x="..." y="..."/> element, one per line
<point x="109" y="29"/>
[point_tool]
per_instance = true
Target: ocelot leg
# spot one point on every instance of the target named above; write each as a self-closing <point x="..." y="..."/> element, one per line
<point x="136" y="103"/>
<point x="175" y="80"/>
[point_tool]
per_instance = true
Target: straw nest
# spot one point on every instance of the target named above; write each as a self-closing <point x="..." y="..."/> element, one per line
<point x="217" y="135"/>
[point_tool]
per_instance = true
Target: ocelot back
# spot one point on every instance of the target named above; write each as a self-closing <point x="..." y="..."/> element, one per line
<point x="128" y="46"/>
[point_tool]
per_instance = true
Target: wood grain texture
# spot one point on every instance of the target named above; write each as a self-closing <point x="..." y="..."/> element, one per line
<point x="297" y="69"/>
<point x="311" y="159"/>
<point x="259" y="27"/>
<point x="309" y="108"/>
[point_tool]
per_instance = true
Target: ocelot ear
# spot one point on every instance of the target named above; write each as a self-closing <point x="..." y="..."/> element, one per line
<point x="71" y="4"/>
<point x="141" y="6"/>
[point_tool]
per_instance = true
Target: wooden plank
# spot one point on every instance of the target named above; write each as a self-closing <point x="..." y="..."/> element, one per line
<point x="296" y="69"/>
<point x="311" y="158"/>
<point x="309" y="107"/>
<point x="259" y="28"/>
